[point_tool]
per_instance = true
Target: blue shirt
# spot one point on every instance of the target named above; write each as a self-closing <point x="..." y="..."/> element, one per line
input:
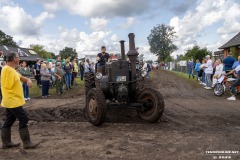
<point x="197" y="66"/>
<point x="235" y="64"/>
<point x="229" y="61"/>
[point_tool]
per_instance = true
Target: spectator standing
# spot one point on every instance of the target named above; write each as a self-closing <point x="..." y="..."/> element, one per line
<point x="59" y="78"/>
<point x="237" y="83"/>
<point x="228" y="62"/>
<point x="87" y="67"/>
<point x="25" y="71"/>
<point x="74" y="73"/>
<point x="93" y="67"/>
<point x="81" y="70"/>
<point x="45" y="79"/>
<point x="208" y="72"/>
<point x="148" y="70"/>
<point x="37" y="69"/>
<point x="197" y="68"/>
<point x="68" y="76"/>
<point x="53" y="66"/>
<point x="190" y="67"/>
<point x="59" y="59"/>
<point x="13" y="100"/>
<point x="218" y="71"/>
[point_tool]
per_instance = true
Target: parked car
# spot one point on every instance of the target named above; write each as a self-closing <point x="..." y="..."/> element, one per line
<point x="154" y="65"/>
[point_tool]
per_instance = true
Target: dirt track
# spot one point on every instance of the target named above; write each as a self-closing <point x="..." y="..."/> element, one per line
<point x="194" y="121"/>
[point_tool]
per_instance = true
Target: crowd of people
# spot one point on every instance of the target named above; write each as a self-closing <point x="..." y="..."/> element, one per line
<point x="56" y="74"/>
<point x="209" y="71"/>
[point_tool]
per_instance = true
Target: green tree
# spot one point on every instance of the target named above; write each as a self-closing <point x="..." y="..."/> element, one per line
<point x="182" y="57"/>
<point x="53" y="55"/>
<point x="197" y="53"/>
<point x="68" y="52"/>
<point x="40" y="50"/>
<point x="169" y="59"/>
<point x="161" y="41"/>
<point x="7" y="40"/>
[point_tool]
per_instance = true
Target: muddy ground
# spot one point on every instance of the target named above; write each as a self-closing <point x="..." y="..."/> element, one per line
<point x="194" y="121"/>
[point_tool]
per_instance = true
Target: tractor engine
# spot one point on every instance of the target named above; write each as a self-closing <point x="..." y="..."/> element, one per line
<point x="118" y="75"/>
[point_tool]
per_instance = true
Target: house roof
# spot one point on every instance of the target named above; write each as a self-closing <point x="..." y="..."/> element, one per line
<point x="235" y="41"/>
<point x="25" y="54"/>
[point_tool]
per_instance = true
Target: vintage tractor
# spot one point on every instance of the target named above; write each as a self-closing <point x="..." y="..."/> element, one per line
<point x="120" y="83"/>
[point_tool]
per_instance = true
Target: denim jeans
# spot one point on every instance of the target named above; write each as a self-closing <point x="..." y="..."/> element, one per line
<point x="15" y="113"/>
<point x="68" y="80"/>
<point x="25" y="90"/>
<point x="203" y="77"/>
<point x="208" y="80"/>
<point x="197" y="72"/>
<point x="82" y="75"/>
<point x="190" y="72"/>
<point x="45" y="88"/>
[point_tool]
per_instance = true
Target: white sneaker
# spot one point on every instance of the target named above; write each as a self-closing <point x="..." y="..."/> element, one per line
<point x="205" y="87"/>
<point x="28" y="98"/>
<point x="208" y="88"/>
<point x="25" y="99"/>
<point x="204" y="84"/>
<point x="200" y="83"/>
<point x="231" y="98"/>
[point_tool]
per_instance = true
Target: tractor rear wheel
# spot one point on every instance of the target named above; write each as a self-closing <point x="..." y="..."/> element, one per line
<point x="89" y="81"/>
<point x="154" y="112"/>
<point x="96" y="107"/>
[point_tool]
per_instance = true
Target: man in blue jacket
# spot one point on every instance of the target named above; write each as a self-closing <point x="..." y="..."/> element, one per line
<point x="197" y="68"/>
<point x="228" y="62"/>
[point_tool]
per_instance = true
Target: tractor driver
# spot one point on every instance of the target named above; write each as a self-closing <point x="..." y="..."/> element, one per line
<point x="102" y="57"/>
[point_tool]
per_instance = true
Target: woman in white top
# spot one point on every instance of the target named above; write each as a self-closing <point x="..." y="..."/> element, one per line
<point x="218" y="72"/>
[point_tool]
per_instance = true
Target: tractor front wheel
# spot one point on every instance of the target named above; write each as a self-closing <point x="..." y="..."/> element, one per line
<point x="156" y="105"/>
<point x="96" y="107"/>
<point x="89" y="81"/>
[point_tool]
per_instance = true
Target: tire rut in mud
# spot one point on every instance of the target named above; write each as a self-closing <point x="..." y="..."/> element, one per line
<point x="61" y="114"/>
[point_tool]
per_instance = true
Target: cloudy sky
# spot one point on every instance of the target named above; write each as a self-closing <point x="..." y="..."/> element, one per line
<point x="88" y="24"/>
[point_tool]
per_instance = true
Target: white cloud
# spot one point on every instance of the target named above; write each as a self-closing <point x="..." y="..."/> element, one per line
<point x="205" y="15"/>
<point x="130" y="22"/>
<point x="98" y="24"/>
<point x="14" y="20"/>
<point x="114" y="37"/>
<point x="43" y="16"/>
<point x="94" y="8"/>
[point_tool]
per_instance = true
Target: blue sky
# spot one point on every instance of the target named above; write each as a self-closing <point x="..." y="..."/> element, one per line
<point x="86" y="25"/>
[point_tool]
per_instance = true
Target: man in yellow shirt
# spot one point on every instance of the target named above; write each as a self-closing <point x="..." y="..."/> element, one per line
<point x="13" y="100"/>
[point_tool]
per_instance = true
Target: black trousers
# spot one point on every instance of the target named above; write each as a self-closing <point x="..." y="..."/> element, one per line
<point x="234" y="86"/>
<point x="15" y="113"/>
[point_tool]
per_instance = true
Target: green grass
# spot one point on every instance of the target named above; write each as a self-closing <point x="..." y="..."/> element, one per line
<point x="36" y="91"/>
<point x="184" y="75"/>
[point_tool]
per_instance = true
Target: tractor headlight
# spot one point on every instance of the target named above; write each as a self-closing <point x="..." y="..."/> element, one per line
<point x="98" y="75"/>
<point x="144" y="73"/>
